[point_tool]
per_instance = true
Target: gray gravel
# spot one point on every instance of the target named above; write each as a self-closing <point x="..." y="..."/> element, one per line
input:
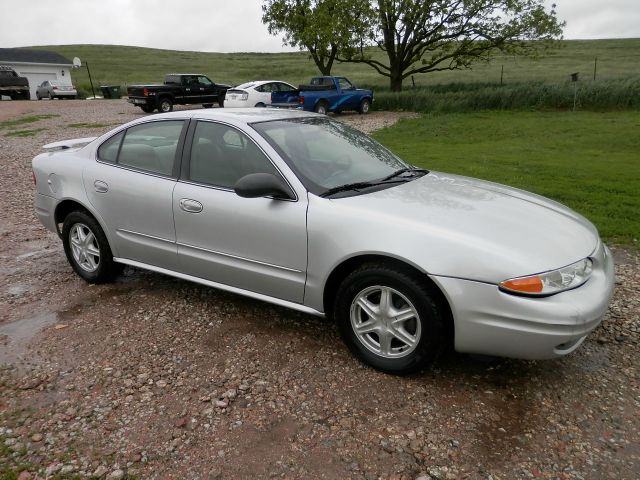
<point x="153" y="377"/>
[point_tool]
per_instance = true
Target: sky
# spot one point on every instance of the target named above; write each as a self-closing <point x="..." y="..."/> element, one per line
<point x="229" y="26"/>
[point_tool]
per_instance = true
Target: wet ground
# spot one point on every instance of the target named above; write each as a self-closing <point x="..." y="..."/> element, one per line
<point x="153" y="377"/>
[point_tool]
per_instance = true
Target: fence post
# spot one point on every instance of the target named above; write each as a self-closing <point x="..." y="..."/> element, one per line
<point x="595" y="67"/>
<point x="501" y="74"/>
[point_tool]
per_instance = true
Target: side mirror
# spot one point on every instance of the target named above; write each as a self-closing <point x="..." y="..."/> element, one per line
<point x="257" y="185"/>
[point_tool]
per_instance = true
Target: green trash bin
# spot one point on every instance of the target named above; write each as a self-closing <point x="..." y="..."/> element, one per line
<point x="110" y="91"/>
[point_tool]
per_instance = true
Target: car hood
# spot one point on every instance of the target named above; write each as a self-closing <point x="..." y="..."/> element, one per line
<point x="484" y="231"/>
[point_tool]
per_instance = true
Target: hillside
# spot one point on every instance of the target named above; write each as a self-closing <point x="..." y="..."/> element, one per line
<point x="122" y="65"/>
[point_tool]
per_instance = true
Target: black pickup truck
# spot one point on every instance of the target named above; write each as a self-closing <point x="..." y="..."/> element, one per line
<point x="13" y="85"/>
<point x="177" y="89"/>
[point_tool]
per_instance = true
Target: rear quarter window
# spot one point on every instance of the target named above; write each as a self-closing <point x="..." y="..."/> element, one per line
<point x="108" y="151"/>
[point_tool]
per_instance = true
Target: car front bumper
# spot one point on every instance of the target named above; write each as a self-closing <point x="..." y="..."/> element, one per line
<point x="491" y="322"/>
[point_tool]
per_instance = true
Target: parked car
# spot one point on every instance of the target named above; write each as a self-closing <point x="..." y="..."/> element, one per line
<point x="323" y="95"/>
<point x="177" y="89"/>
<point x="305" y="212"/>
<point x="13" y="85"/>
<point x="54" y="89"/>
<point x="255" y="94"/>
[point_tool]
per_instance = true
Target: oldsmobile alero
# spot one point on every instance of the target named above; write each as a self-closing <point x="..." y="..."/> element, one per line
<point x="302" y="211"/>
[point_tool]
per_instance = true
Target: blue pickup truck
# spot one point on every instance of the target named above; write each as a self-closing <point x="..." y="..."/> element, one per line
<point x="325" y="94"/>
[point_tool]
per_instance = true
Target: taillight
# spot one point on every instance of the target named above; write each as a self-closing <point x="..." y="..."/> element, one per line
<point x="33" y="175"/>
<point x="301" y="100"/>
<point x="145" y="92"/>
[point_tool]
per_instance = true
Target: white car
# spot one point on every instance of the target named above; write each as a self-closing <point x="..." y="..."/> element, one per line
<point x="299" y="210"/>
<point x="255" y="94"/>
<point x="53" y="89"/>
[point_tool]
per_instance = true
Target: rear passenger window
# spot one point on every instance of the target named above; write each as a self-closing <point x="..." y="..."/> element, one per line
<point x="151" y="146"/>
<point x="221" y="155"/>
<point x="108" y="151"/>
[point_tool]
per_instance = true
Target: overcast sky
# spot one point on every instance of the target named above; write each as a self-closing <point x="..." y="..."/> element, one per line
<point x="228" y="26"/>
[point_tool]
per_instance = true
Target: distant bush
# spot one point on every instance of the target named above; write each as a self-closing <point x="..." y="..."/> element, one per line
<point x="463" y="97"/>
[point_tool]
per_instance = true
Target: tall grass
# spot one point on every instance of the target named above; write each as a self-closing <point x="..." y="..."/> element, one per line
<point x="623" y="94"/>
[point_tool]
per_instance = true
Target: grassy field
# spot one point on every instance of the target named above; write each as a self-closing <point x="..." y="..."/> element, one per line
<point x="588" y="161"/>
<point x="119" y="65"/>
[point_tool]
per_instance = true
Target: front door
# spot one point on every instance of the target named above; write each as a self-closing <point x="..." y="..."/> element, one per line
<point x="131" y="186"/>
<point x="257" y="244"/>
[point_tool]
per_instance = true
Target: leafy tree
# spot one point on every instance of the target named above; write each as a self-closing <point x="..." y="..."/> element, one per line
<point x="421" y="36"/>
<point x="323" y="27"/>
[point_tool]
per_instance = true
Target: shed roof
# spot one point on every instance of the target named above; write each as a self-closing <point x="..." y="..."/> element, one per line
<point x="24" y="55"/>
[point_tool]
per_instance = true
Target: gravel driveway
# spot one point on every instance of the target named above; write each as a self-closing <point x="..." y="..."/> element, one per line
<point x="153" y="377"/>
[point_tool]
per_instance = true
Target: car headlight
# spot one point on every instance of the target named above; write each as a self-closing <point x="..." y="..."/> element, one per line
<point x="548" y="283"/>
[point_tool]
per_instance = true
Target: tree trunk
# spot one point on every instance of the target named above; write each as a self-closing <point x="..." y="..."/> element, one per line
<point x="395" y="79"/>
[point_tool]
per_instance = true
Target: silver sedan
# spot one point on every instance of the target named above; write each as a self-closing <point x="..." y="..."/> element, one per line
<point x="302" y="211"/>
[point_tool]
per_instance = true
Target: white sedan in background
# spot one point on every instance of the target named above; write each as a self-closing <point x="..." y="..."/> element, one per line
<point x="254" y="94"/>
<point x="53" y="89"/>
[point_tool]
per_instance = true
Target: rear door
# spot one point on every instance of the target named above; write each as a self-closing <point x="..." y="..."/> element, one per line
<point x="131" y="185"/>
<point x="257" y="244"/>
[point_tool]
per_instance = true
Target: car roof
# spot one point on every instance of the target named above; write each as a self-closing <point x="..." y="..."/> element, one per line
<point x="240" y="115"/>
<point x="257" y="83"/>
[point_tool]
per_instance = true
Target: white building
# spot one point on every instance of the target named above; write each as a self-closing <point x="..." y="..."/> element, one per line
<point x="37" y="65"/>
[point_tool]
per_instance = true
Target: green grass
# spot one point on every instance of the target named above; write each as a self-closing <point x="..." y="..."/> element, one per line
<point x="25" y="120"/>
<point x="120" y="65"/>
<point x="588" y="161"/>
<point x="600" y="95"/>
<point x="24" y="133"/>
<point x="89" y="125"/>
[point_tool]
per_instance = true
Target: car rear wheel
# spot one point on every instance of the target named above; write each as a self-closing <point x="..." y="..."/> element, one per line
<point x="389" y="319"/>
<point x="87" y="249"/>
<point x="321" y="107"/>
<point x="166" y="105"/>
<point x="38" y="97"/>
<point x="365" y="106"/>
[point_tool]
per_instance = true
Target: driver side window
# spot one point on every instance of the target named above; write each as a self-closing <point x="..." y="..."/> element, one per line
<point x="221" y="155"/>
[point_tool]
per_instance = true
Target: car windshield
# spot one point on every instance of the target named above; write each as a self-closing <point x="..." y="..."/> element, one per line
<point x="326" y="154"/>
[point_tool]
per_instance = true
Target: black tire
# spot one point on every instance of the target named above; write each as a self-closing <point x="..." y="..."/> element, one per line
<point x="207" y="105"/>
<point x="147" y="108"/>
<point x="51" y="97"/>
<point x="165" y="105"/>
<point x="106" y="269"/>
<point x="260" y="105"/>
<point x="221" y="102"/>
<point x="365" y="106"/>
<point x="321" y="107"/>
<point x="427" y="328"/>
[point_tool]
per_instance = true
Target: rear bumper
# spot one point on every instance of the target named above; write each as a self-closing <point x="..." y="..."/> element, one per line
<point x="137" y="101"/>
<point x="490" y="322"/>
<point x="45" y="211"/>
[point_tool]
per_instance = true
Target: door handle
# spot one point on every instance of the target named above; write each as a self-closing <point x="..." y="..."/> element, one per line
<point x="100" y="186"/>
<point x="190" y="206"/>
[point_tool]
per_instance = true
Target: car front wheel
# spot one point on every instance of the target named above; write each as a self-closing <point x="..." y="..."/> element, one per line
<point x="389" y="319"/>
<point x="365" y="106"/>
<point x="87" y="249"/>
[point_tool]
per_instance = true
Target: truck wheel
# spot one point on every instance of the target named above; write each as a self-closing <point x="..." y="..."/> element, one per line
<point x="321" y="107"/>
<point x="365" y="106"/>
<point x="147" y="108"/>
<point x="221" y="102"/>
<point x="165" y="105"/>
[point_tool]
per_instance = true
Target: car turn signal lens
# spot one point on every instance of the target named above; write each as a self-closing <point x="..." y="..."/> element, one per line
<point x="524" y="285"/>
<point x="551" y="282"/>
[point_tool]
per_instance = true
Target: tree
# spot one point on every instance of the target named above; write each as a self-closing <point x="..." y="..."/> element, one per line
<point x="323" y="27"/>
<point x="421" y="36"/>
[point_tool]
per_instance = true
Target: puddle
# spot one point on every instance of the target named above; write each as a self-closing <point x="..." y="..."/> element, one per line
<point x="15" y="336"/>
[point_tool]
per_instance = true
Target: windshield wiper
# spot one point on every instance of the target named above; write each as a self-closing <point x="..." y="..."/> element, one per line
<point x="360" y="185"/>
<point x="397" y="173"/>
<point x="347" y="187"/>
